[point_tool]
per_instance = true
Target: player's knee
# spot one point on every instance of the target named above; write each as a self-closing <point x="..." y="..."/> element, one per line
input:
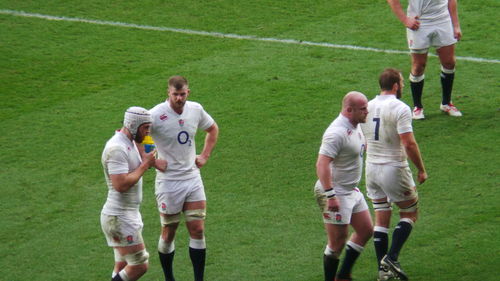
<point x="418" y="68"/>
<point x="166" y="247"/>
<point x="141" y="268"/>
<point x="448" y="67"/>
<point x="138" y="258"/>
<point x="192" y="215"/>
<point x="367" y="234"/>
<point x="170" y="220"/>
<point x="332" y="253"/>
<point x="119" y="258"/>
<point x="410" y="212"/>
<point x="382" y="206"/>
<point x="197" y="231"/>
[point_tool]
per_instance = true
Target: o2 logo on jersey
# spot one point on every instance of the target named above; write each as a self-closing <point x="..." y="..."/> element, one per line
<point x="183" y="138"/>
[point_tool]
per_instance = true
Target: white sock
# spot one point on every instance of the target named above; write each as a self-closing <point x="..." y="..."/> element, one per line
<point x="124" y="275"/>
<point x="164" y="247"/>
<point x="356" y="247"/>
<point x="197" y="243"/>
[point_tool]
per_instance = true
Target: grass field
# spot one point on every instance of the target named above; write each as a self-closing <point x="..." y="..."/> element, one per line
<point x="65" y="85"/>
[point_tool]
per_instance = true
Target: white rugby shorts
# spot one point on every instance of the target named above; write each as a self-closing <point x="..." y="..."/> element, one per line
<point x="430" y="35"/>
<point x="172" y="194"/>
<point x="122" y="230"/>
<point x="385" y="180"/>
<point x="350" y="203"/>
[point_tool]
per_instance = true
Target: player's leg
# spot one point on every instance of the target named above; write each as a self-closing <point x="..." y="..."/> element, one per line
<point x="444" y="41"/>
<point x="136" y="259"/>
<point x="418" y="43"/>
<point x="375" y="178"/>
<point x="166" y="244"/>
<point x="337" y="237"/>
<point x="336" y="226"/>
<point x="408" y="216"/>
<point x="418" y="63"/>
<point x="383" y="212"/>
<point x="363" y="231"/>
<point x="403" y="192"/>
<point x="123" y="233"/>
<point x="195" y="213"/>
<point x="120" y="263"/>
<point x="170" y="199"/>
<point x="447" y="58"/>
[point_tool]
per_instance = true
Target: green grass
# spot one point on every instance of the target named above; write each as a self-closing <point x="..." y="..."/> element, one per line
<point x="65" y="85"/>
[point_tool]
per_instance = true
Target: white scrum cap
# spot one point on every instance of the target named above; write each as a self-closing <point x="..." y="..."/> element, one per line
<point x="134" y="117"/>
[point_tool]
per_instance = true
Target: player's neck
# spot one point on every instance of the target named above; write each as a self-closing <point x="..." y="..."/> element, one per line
<point x="126" y="132"/>
<point x="176" y="109"/>
<point x="349" y="118"/>
<point x="387" y="93"/>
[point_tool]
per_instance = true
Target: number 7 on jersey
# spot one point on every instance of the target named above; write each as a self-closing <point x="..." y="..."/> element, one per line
<point x="377" y="127"/>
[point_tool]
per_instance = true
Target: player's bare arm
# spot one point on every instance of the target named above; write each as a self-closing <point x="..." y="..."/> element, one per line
<point x="161" y="164"/>
<point x="452" y="8"/>
<point x="210" y="141"/>
<point x="410" y="22"/>
<point x="325" y="177"/>
<point x="123" y="182"/>
<point x="413" y="152"/>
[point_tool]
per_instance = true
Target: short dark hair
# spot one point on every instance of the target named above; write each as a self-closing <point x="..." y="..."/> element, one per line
<point x="178" y="82"/>
<point x="388" y="78"/>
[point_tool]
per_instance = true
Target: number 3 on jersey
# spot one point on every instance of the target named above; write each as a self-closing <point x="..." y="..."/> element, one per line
<point x="377" y="127"/>
<point x="183" y="138"/>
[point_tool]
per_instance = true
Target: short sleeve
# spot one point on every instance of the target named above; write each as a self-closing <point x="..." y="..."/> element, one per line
<point x="331" y="145"/>
<point x="205" y="120"/>
<point x="404" y="120"/>
<point x="117" y="161"/>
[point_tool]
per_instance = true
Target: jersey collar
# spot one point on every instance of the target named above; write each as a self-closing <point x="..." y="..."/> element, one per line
<point x="345" y="121"/>
<point x="124" y="137"/>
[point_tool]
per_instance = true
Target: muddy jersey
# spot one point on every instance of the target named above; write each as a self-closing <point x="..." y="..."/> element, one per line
<point x="120" y="156"/>
<point x="388" y="117"/>
<point x="345" y="144"/>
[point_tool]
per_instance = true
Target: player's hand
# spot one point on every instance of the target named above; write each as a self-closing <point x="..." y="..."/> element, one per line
<point x="412" y="23"/>
<point x="200" y="161"/>
<point x="422" y="177"/>
<point x="333" y="204"/>
<point x="149" y="158"/>
<point x="161" y="165"/>
<point x="457" y="33"/>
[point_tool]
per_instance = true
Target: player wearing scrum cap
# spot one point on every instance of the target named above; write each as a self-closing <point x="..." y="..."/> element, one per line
<point x="121" y="221"/>
<point x="339" y="167"/>
<point x="180" y="189"/>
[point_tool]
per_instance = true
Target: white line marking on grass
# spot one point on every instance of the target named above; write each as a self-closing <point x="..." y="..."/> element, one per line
<point x="224" y="35"/>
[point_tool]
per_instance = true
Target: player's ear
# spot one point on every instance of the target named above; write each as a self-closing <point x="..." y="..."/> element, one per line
<point x="395" y="86"/>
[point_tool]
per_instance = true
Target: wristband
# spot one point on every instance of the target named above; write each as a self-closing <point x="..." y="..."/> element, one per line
<point x="329" y="193"/>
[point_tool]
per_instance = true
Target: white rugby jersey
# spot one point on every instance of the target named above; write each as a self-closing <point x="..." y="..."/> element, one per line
<point x="388" y="117"/>
<point x="121" y="156"/>
<point x="345" y="144"/>
<point x="428" y="11"/>
<point x="174" y="136"/>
